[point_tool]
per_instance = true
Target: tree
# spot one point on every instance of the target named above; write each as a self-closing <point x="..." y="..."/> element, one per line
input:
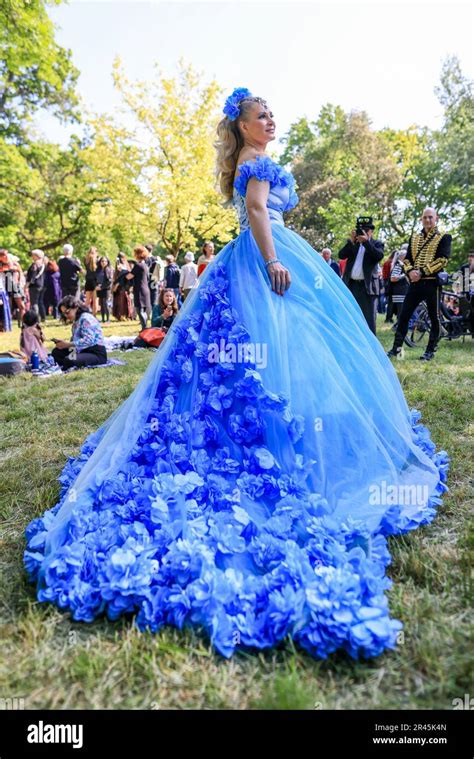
<point x="344" y="169"/>
<point x="456" y="153"/>
<point x="40" y="199"/>
<point x="300" y="137"/>
<point x="46" y="196"/>
<point x="175" y="120"/>
<point x="35" y="72"/>
<point x="115" y="171"/>
<point x="437" y="167"/>
<point x="414" y="152"/>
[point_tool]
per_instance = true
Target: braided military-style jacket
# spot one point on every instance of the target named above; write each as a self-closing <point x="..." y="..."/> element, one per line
<point x="428" y="252"/>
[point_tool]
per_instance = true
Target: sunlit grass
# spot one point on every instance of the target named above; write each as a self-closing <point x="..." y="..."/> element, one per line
<point x="53" y="662"/>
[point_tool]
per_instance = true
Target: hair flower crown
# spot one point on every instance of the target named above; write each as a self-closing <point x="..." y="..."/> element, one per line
<point x="231" y="107"/>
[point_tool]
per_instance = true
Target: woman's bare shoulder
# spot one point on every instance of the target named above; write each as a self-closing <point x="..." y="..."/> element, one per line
<point x="248" y="154"/>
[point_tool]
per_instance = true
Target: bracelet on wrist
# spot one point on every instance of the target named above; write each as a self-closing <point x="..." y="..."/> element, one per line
<point x="272" y="261"/>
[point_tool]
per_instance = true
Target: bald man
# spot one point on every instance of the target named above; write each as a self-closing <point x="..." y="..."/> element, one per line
<point x="427" y="254"/>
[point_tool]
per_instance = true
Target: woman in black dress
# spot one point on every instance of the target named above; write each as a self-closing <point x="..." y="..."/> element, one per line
<point x="104" y="276"/>
<point x="141" y="291"/>
<point x="90" y="285"/>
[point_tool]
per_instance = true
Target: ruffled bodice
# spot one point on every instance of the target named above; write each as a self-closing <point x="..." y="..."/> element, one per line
<point x="282" y="196"/>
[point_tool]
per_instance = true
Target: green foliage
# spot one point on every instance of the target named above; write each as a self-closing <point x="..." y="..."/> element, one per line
<point x="456" y="150"/>
<point x="174" y="129"/>
<point x="119" y="186"/>
<point x="46" y="196"/>
<point x="299" y="138"/>
<point x="35" y="72"/>
<point x="151" y="178"/>
<point x="344" y="168"/>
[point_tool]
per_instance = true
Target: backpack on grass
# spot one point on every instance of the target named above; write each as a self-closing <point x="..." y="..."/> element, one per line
<point x="11" y="363"/>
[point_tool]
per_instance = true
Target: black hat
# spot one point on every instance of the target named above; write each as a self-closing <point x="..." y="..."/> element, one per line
<point x="366" y="222"/>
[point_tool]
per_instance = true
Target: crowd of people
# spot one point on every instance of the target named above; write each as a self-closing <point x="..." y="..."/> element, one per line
<point x="92" y="292"/>
<point x="153" y="290"/>
<point x="128" y="290"/>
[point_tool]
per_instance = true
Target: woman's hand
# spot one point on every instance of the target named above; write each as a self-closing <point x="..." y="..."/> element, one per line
<point x="279" y="277"/>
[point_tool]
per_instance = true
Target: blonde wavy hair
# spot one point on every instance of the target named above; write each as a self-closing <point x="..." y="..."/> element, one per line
<point x="228" y="145"/>
<point x="91" y="258"/>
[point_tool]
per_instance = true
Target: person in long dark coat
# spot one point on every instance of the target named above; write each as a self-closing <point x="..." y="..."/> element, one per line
<point x="122" y="307"/>
<point x="141" y="291"/>
<point x="35" y="283"/>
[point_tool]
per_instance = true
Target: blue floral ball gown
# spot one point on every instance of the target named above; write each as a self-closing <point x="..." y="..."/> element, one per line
<point x="247" y="485"/>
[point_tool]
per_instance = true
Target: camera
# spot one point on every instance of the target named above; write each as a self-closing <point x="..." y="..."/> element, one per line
<point x="363" y="223"/>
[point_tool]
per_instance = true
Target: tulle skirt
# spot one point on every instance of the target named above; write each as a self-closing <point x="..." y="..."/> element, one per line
<point x="247" y="486"/>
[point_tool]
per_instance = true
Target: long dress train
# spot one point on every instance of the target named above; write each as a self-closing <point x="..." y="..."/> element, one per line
<point x="247" y="485"/>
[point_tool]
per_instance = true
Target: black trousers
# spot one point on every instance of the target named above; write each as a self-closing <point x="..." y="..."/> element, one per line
<point x="367" y="303"/>
<point x="91" y="356"/>
<point x="70" y="290"/>
<point x="104" y="296"/>
<point x="427" y="290"/>
<point x="37" y="302"/>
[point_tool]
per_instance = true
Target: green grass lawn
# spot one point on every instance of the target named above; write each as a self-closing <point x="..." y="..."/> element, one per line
<point x="52" y="662"/>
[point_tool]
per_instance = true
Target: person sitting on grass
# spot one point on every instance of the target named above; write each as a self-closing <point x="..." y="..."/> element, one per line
<point x="87" y="338"/>
<point x="166" y="309"/>
<point x="32" y="336"/>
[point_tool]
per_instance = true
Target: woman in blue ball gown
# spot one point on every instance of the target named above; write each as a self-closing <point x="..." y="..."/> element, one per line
<point x="248" y="484"/>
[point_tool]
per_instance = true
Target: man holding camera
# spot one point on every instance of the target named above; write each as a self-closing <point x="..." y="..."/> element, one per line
<point x="427" y="255"/>
<point x="363" y="254"/>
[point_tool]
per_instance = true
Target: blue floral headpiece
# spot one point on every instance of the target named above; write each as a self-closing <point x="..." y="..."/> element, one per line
<point x="231" y="107"/>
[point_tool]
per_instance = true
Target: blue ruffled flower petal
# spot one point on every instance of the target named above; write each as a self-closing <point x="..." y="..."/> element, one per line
<point x="265" y="169"/>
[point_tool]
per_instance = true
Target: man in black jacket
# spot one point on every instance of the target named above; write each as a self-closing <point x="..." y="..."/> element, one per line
<point x="427" y="254"/>
<point x="35" y="277"/>
<point x="69" y="269"/>
<point x="363" y="254"/>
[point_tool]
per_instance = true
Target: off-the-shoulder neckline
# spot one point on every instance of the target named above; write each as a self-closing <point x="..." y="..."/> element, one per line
<point x="250" y="160"/>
